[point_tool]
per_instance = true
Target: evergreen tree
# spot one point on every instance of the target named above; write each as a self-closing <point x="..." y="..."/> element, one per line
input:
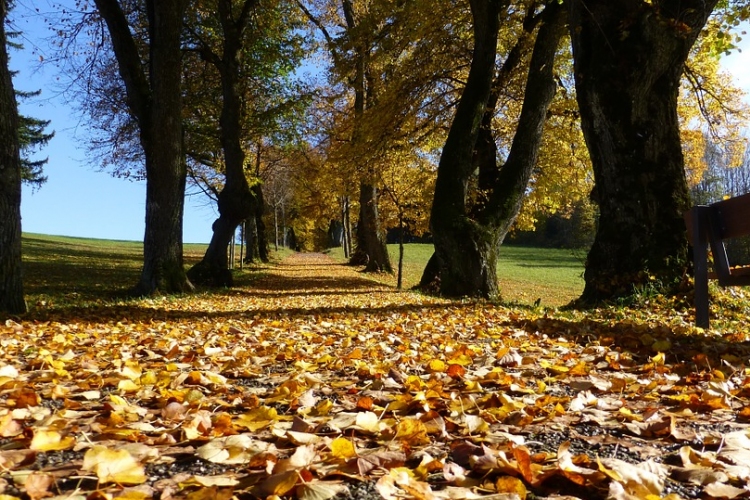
<point x="32" y="136"/>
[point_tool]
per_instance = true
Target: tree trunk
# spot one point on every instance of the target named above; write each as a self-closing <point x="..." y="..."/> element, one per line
<point x="462" y="249"/>
<point x="213" y="269"/>
<point x="347" y="240"/>
<point x="155" y="101"/>
<point x="400" y="280"/>
<point x="11" y="281"/>
<point x="628" y="60"/>
<point x="260" y="226"/>
<point x="251" y="240"/>
<point x="235" y="199"/>
<point x="467" y="238"/>
<point x="372" y="241"/>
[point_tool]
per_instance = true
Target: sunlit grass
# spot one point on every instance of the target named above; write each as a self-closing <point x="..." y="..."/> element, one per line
<point x="61" y="271"/>
<point x="552" y="276"/>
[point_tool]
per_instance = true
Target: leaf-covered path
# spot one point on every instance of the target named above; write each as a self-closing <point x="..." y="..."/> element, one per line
<point x="316" y="382"/>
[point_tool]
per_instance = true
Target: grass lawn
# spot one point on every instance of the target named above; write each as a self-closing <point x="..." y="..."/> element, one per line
<point x="526" y="274"/>
<point x="79" y="270"/>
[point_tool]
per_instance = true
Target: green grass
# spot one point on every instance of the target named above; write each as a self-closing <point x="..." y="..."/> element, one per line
<point x="525" y="274"/>
<point x="60" y="271"/>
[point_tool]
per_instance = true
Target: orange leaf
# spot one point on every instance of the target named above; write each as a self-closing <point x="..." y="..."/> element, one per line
<point x="523" y="457"/>
<point x="456" y="371"/>
<point x="513" y="485"/>
<point x="365" y="403"/>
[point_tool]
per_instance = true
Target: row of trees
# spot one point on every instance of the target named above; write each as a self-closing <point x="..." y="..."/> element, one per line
<point x="467" y="116"/>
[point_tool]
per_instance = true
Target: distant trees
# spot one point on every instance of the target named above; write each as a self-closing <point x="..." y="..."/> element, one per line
<point x="11" y="282"/>
<point x="32" y="135"/>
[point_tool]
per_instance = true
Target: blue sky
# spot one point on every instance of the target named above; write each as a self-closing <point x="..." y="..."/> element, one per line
<point x="79" y="200"/>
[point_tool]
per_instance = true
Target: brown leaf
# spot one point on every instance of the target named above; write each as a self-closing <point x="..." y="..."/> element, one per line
<point x="37" y="485"/>
<point x="277" y="484"/>
<point x="320" y="490"/>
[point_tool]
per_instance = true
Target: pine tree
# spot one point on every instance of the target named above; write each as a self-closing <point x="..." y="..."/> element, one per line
<point x="32" y="136"/>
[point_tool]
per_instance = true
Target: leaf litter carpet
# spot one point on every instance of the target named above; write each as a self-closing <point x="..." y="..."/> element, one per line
<point x="316" y="382"/>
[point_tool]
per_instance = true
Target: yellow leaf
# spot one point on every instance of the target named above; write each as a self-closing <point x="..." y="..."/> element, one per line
<point x="128" y="386"/>
<point x="343" y="448"/>
<point x="278" y="484"/>
<point x="412" y="431"/>
<point x="437" y="365"/>
<point x="114" y="466"/>
<point x="48" y="440"/>
<point x="257" y="418"/>
<point x="509" y="484"/>
<point x="462" y="360"/>
<point x="323" y="408"/>
<point x="658" y="359"/>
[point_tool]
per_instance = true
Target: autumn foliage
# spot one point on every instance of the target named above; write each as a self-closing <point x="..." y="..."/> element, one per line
<point x="314" y="383"/>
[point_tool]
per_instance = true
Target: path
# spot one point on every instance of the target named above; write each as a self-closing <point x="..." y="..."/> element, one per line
<point x="314" y="281"/>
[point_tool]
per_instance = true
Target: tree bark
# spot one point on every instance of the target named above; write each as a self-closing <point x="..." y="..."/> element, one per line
<point x="11" y="280"/>
<point x="236" y="201"/>
<point x="260" y="225"/>
<point x="370" y="247"/>
<point x="374" y="244"/>
<point x="628" y="60"/>
<point x="465" y="252"/>
<point x="155" y="101"/>
<point x="467" y="238"/>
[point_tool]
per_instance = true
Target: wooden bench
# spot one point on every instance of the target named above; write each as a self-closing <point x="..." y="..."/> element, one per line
<point x="709" y="226"/>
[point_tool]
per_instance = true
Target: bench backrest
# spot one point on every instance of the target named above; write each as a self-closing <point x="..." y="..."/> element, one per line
<point x="731" y="217"/>
<point x="717" y="222"/>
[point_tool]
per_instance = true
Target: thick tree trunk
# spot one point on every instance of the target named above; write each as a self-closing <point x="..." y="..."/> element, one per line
<point x="11" y="282"/>
<point x="155" y="101"/>
<point x="462" y="249"/>
<point x="235" y="199"/>
<point x="629" y="58"/>
<point x="467" y="238"/>
<point x="166" y="173"/>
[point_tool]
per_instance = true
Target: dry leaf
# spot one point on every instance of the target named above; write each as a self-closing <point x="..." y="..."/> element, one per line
<point x="113" y="466"/>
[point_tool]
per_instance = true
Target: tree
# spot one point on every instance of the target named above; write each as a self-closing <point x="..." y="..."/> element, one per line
<point x="252" y="48"/>
<point x="351" y="54"/>
<point x="235" y="200"/>
<point x="467" y="233"/>
<point x="31" y="132"/>
<point x="11" y="281"/>
<point x="628" y="60"/>
<point x="31" y="136"/>
<point x="154" y="98"/>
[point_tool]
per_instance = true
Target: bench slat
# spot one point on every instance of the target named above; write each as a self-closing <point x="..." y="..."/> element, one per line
<point x="732" y="217"/>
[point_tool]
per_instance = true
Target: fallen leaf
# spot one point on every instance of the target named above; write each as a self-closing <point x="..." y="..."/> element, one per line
<point x="113" y="466"/>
